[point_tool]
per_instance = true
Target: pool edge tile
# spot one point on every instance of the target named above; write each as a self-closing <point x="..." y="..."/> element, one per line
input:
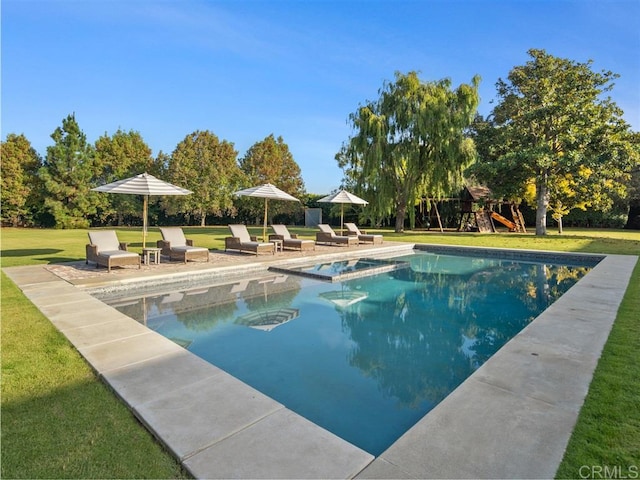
<point x="260" y="451"/>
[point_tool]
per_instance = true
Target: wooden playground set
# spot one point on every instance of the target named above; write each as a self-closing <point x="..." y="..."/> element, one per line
<point x="478" y="212"/>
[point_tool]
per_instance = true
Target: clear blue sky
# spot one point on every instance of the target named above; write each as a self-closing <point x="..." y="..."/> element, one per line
<point x="297" y="69"/>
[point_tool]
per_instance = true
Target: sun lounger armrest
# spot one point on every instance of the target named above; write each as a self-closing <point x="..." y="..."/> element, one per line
<point x="165" y="246"/>
<point x="323" y="237"/>
<point x="253" y="238"/>
<point x="232" y="243"/>
<point x="294" y="236"/>
<point x="351" y="234"/>
<point x="273" y="236"/>
<point x="189" y="242"/>
<point x="123" y="246"/>
<point x="92" y="252"/>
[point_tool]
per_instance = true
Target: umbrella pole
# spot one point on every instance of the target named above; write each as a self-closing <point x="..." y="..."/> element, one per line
<point x="342" y="219"/>
<point x="264" y="227"/>
<point x="144" y="220"/>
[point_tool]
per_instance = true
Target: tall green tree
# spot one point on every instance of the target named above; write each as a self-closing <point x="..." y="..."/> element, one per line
<point x="208" y="167"/>
<point x="410" y="142"/>
<point x="119" y="156"/>
<point x="67" y="174"/>
<point x="633" y="215"/>
<point x="270" y="161"/>
<point x="557" y="127"/>
<point x="19" y="187"/>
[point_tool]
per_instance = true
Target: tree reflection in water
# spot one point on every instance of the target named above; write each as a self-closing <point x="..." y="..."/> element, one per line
<point x="423" y="338"/>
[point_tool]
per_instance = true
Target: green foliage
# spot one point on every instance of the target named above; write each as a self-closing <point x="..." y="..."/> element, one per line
<point x="20" y="186"/>
<point x="270" y="161"/>
<point x="58" y="419"/>
<point x="409" y="143"/>
<point x="67" y="176"/>
<point x="553" y="128"/>
<point x="207" y="167"/>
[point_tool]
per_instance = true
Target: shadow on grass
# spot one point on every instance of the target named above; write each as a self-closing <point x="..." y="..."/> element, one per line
<point x="59" y="259"/>
<point x="100" y="439"/>
<point x="30" y="252"/>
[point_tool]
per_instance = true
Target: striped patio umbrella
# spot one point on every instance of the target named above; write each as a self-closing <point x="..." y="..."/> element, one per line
<point x="342" y="197"/>
<point x="266" y="191"/>
<point x="145" y="185"/>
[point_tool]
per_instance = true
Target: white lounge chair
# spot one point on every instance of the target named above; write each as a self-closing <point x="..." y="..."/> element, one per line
<point x="243" y="242"/>
<point x="327" y="235"/>
<point x="105" y="249"/>
<point x="363" y="237"/>
<point x="177" y="247"/>
<point x="281" y="232"/>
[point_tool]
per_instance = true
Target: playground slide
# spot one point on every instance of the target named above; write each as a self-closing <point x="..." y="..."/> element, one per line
<point x="508" y="223"/>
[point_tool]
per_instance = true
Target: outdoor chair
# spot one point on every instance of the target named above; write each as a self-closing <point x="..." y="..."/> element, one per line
<point x="281" y="232"/>
<point x="243" y="242"/>
<point x="105" y="249"/>
<point x="177" y="247"/>
<point x="363" y="237"/>
<point x="328" y="236"/>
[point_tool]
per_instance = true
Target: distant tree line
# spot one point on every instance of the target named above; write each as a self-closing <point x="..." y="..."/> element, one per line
<point x="55" y="191"/>
<point x="555" y="142"/>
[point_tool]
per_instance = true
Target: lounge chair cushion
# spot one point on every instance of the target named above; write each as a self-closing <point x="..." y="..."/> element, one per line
<point x="326" y="229"/>
<point x="241" y="233"/>
<point x="174" y="235"/>
<point x="282" y="231"/>
<point x="106" y="241"/>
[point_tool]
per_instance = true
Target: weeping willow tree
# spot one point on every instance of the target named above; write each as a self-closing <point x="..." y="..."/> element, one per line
<point x="408" y="143"/>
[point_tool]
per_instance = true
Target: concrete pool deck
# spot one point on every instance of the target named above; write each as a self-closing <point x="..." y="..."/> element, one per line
<point x="511" y="419"/>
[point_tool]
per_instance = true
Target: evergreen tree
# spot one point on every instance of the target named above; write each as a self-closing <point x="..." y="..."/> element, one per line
<point x="67" y="176"/>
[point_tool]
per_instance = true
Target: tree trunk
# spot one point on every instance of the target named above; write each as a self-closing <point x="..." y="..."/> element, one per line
<point x="633" y="219"/>
<point x="401" y="211"/>
<point x="542" y="194"/>
<point x="560" y="224"/>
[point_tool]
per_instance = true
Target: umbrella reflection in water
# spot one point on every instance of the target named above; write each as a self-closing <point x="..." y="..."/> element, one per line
<point x="267" y="320"/>
<point x="343" y="298"/>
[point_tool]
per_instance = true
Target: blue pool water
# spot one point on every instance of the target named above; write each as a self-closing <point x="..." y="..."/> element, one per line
<point x="366" y="357"/>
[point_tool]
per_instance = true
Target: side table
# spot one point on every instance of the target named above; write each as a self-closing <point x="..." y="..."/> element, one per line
<point x="147" y="252"/>
<point x="278" y="244"/>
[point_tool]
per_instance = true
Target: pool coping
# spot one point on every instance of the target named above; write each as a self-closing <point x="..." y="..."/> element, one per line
<point x="511" y="419"/>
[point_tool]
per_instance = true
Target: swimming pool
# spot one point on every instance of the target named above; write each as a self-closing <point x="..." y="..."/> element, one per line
<point x="365" y="357"/>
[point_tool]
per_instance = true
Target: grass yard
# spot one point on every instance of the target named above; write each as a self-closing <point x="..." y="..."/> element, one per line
<point x="60" y="421"/>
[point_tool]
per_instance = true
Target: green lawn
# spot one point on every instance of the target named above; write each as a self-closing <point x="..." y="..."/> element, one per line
<point x="60" y="421"/>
